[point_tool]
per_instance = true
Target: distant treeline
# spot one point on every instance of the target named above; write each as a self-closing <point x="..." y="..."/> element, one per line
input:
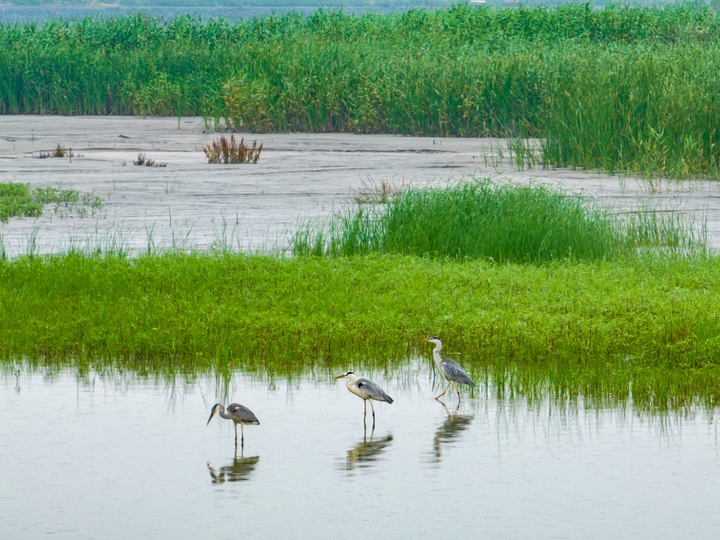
<point x="398" y="4"/>
<point x="636" y="89"/>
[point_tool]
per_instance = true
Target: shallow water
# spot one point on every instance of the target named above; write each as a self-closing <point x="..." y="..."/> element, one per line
<point x="191" y="205"/>
<point x="117" y="457"/>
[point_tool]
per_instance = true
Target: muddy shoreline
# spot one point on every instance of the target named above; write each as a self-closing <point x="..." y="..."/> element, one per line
<point x="191" y="204"/>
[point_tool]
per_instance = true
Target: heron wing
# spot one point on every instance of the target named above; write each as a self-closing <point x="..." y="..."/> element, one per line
<point x="454" y="372"/>
<point x="242" y="413"/>
<point x="373" y="391"/>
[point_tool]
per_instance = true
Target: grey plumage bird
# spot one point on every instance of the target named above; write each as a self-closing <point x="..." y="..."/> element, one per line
<point x="366" y="389"/>
<point x="451" y="370"/>
<point x="239" y="414"/>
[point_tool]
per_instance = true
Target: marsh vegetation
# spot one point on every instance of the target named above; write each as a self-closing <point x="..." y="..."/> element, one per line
<point x="227" y="151"/>
<point x="18" y="200"/>
<point x="540" y="292"/>
<point x="631" y="89"/>
<point x="144" y="161"/>
<point x="479" y="218"/>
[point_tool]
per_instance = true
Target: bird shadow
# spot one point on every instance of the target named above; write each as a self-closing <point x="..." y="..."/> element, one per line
<point x="239" y="470"/>
<point x="364" y="454"/>
<point x="449" y="431"/>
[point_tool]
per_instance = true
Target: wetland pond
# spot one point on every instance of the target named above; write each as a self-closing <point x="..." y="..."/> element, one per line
<point x="111" y="454"/>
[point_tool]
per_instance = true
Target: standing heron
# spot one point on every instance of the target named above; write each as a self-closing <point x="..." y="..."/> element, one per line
<point x="239" y="415"/>
<point x="365" y="389"/>
<point x="451" y="370"/>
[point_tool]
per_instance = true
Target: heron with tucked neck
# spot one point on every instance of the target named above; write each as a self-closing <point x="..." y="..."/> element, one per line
<point x="239" y="414"/>
<point x="365" y="389"/>
<point x="451" y="370"/>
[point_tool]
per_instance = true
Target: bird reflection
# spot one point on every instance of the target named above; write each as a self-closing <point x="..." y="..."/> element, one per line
<point x="364" y="454"/>
<point x="452" y="427"/>
<point x="238" y="471"/>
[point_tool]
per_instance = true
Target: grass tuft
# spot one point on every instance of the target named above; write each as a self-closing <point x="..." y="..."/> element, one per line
<point x="479" y="218"/>
<point x="143" y="160"/>
<point x="228" y="151"/>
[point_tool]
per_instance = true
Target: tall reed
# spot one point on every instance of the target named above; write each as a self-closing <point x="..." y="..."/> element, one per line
<point x="621" y="88"/>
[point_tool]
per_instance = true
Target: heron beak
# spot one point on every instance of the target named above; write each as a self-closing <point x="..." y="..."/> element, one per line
<point x="425" y="340"/>
<point x="212" y="413"/>
<point x="339" y="377"/>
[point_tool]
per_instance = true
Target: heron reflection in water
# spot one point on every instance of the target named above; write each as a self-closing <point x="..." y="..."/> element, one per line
<point x="365" y="453"/>
<point x="450" y="429"/>
<point x="238" y="471"/>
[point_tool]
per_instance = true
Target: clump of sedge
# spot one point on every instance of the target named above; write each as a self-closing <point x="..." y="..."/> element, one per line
<point x="60" y="151"/>
<point x="142" y="159"/>
<point x="229" y="151"/>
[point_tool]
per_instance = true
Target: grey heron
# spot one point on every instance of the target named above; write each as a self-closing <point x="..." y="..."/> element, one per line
<point x="451" y="370"/>
<point x="365" y="389"/>
<point x="239" y="415"/>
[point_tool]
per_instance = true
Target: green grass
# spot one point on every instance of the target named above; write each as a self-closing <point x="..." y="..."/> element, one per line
<point x="565" y="329"/>
<point x="18" y="200"/>
<point x="479" y="218"/>
<point x="619" y="89"/>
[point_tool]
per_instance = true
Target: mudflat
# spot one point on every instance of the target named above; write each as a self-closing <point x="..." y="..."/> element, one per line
<point x="191" y="204"/>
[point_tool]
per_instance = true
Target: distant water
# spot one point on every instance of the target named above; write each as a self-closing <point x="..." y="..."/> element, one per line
<point x="24" y="14"/>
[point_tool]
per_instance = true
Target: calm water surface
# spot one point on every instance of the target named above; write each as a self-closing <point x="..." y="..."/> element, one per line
<point x="111" y="456"/>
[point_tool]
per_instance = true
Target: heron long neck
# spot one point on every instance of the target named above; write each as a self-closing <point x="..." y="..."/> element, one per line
<point x="221" y="412"/>
<point x="437" y="357"/>
<point x="352" y="379"/>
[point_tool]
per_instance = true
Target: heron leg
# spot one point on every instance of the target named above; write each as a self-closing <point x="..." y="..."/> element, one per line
<point x="458" y="392"/>
<point x="242" y="436"/>
<point x="365" y="414"/>
<point x="373" y="411"/>
<point x="443" y="392"/>
<point x="235" y="435"/>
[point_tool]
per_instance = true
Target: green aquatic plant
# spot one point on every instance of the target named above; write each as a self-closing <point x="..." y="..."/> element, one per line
<point x="601" y="330"/>
<point x="18" y="200"/>
<point x="480" y="218"/>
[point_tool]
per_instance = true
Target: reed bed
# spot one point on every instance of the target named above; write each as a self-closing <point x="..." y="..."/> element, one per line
<point x="631" y="89"/>
<point x="567" y="329"/>
<point x="479" y="218"/>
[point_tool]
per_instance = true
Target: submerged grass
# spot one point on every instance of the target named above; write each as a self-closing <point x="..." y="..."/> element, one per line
<point x="18" y="200"/>
<point x="479" y="218"/>
<point x="566" y="329"/>
<point x="622" y="88"/>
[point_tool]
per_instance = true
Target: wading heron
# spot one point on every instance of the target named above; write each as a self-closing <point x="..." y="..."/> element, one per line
<point x="365" y="389"/>
<point x="239" y="415"/>
<point x="451" y="370"/>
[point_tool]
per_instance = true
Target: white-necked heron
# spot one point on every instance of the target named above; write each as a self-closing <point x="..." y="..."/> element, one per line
<point x="365" y="389"/>
<point x="239" y="415"/>
<point x="451" y="370"/>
